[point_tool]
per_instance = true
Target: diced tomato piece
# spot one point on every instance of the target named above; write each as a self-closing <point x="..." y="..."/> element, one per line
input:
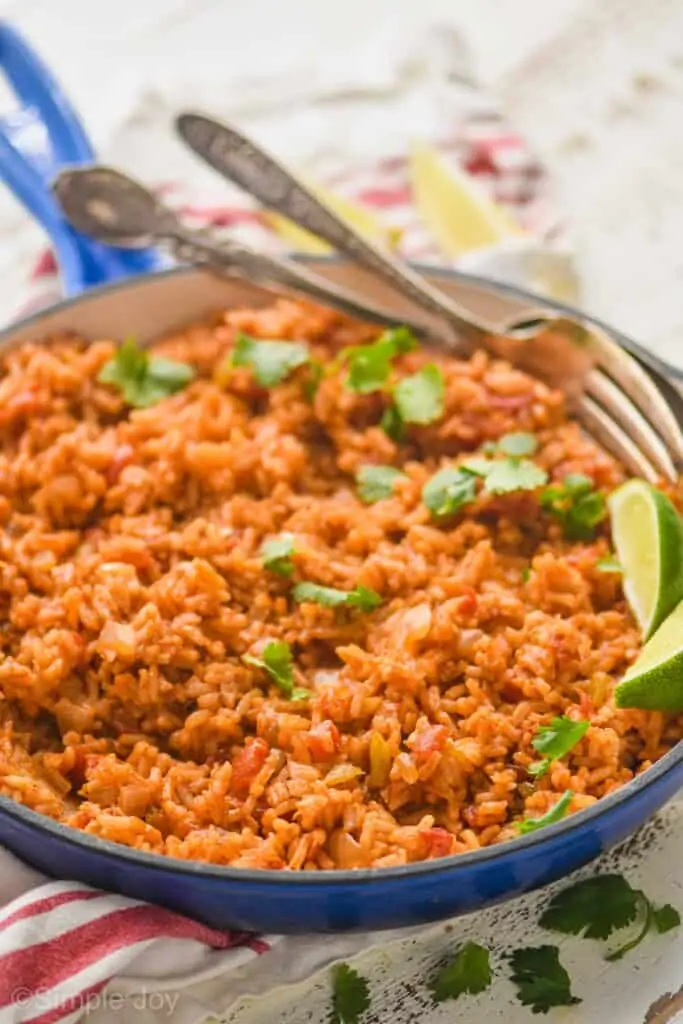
<point x="427" y="741"/>
<point x="324" y="741"/>
<point x="439" y="842"/>
<point x="468" y="602"/>
<point x="247" y="765"/>
<point x="510" y="401"/>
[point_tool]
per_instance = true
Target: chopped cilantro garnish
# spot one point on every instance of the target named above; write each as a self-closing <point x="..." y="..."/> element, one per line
<point x="665" y="918"/>
<point x="276" y="660"/>
<point x="510" y="475"/>
<point x="276" y="554"/>
<point x="370" y="365"/>
<point x="555" y="740"/>
<point x="144" y="380"/>
<point x="609" y="564"/>
<point x="518" y="444"/>
<point x="350" y="995"/>
<point x="270" y="361"/>
<point x="469" y="971"/>
<point x="576" y="504"/>
<point x="542" y="982"/>
<point x="392" y="424"/>
<point x="316" y="372"/>
<point x="526" y="574"/>
<point x="360" y="597"/>
<point x="419" y="398"/>
<point x="376" y="482"/>
<point x="555" y="813"/>
<point x="503" y="476"/>
<point x="448" y="490"/>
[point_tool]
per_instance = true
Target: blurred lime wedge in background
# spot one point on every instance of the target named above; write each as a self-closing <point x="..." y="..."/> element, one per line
<point x="364" y="220"/>
<point x="648" y="539"/>
<point x="457" y="214"/>
<point x="655" y="681"/>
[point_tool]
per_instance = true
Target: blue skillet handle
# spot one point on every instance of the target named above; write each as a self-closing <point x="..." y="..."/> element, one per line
<point x="37" y="140"/>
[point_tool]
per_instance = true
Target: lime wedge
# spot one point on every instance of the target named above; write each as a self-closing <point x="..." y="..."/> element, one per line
<point x="655" y="681"/>
<point x="648" y="538"/>
<point x="458" y="215"/>
<point x="358" y="216"/>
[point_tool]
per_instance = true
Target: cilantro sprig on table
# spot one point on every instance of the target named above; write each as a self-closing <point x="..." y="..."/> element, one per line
<point x="577" y="506"/>
<point x="593" y="909"/>
<point x="542" y="982"/>
<point x="468" y="972"/>
<point x="350" y="995"/>
<point x="555" y="740"/>
<point x="144" y="379"/>
<point x="360" y="597"/>
<point x="276" y="660"/>
<point x="270" y="361"/>
<point x="596" y="907"/>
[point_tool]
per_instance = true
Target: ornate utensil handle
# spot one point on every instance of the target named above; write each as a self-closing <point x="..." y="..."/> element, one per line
<point x="238" y="158"/>
<point x="233" y="257"/>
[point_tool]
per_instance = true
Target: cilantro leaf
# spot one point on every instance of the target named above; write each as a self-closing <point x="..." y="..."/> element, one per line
<point x="503" y="476"/>
<point x="609" y="564"/>
<point x="276" y="660"/>
<point x="576" y="504"/>
<point x="594" y="908"/>
<point x="316" y="372"/>
<point x="276" y="554"/>
<point x="448" y="490"/>
<point x="542" y="982"/>
<point x="665" y="918"/>
<point x="360" y="597"/>
<point x="392" y="424"/>
<point x="376" y="482"/>
<point x="644" y="912"/>
<point x="509" y="475"/>
<point x="350" y="995"/>
<point x="419" y="398"/>
<point x="518" y="444"/>
<point x="270" y="361"/>
<point x="144" y="380"/>
<point x="370" y="365"/>
<point x="555" y="813"/>
<point x="469" y="971"/>
<point x="555" y="740"/>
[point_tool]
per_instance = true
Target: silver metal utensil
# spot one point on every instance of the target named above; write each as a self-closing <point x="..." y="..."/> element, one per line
<point x="617" y="400"/>
<point x="112" y="207"/>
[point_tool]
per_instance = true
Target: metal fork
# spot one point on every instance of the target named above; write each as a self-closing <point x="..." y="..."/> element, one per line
<point x="617" y="400"/>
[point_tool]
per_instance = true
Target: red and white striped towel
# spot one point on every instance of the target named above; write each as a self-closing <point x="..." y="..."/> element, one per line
<point x="61" y="943"/>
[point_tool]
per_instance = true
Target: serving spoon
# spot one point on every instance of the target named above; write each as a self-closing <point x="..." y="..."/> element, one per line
<point x="610" y="391"/>
<point x="114" y="208"/>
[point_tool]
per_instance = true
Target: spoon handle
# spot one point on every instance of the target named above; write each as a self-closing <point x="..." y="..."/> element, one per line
<point x="240" y="160"/>
<point x="231" y="256"/>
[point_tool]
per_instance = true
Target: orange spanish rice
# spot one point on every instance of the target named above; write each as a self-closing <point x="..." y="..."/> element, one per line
<point x="132" y="587"/>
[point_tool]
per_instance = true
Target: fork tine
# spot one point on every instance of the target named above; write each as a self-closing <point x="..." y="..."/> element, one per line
<point x="629" y="417"/>
<point x="635" y="382"/>
<point x="611" y="436"/>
